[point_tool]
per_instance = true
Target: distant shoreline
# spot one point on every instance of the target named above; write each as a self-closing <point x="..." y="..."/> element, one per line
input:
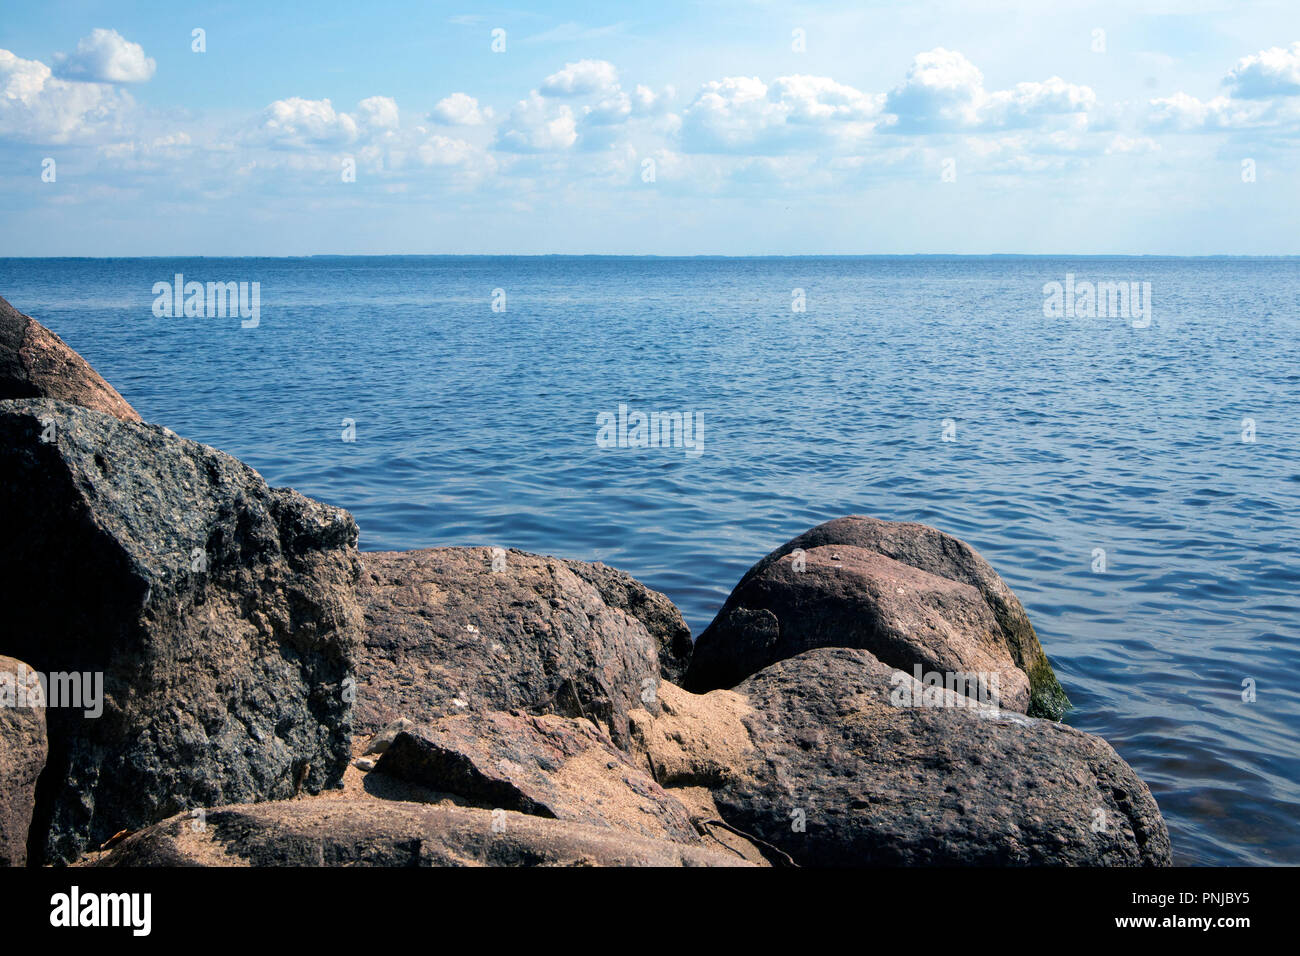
<point x="704" y="256"/>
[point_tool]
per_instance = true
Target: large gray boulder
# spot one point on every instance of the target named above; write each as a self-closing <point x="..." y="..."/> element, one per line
<point x="831" y="758"/>
<point x="219" y="613"/>
<point x="446" y="633"/>
<point x="23" y="747"/>
<point x="36" y="363"/>
<point x="916" y="545"/>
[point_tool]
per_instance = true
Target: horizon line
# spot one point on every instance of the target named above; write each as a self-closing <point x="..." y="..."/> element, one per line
<point x="706" y="255"/>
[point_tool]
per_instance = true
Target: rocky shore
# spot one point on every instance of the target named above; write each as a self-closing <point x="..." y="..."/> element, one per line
<point x="198" y="669"/>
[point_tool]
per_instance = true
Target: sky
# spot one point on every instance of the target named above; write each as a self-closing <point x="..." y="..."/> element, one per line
<point x="1164" y="127"/>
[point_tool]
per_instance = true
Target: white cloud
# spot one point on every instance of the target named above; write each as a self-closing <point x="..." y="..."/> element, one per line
<point x="37" y="107"/>
<point x="944" y="92"/>
<point x="611" y="110"/>
<point x="1264" y="91"/>
<point x="1027" y="103"/>
<point x="816" y="99"/>
<point x="536" y="125"/>
<point x="378" y="112"/>
<point x="582" y="78"/>
<point x="1184" y="113"/>
<point x="461" y="109"/>
<point x="300" y="122"/>
<point x="646" y="102"/>
<point x="105" y="56"/>
<point x="440" y="150"/>
<point x="741" y="113"/>
<point x="1271" y="72"/>
<point x="941" y="91"/>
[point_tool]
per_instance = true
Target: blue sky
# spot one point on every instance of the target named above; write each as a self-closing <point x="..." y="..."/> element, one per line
<point x="736" y="128"/>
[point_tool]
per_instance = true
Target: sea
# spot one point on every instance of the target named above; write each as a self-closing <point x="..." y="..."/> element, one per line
<point x="1119" y="437"/>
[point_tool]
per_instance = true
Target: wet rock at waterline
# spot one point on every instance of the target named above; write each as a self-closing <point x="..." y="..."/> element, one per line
<point x="918" y="546"/>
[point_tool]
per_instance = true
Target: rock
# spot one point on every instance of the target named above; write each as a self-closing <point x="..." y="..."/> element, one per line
<point x="661" y="618"/>
<point x="697" y="740"/>
<point x="548" y="766"/>
<point x="220" y="614"/>
<point x="832" y="773"/>
<point x="361" y="832"/>
<point x="36" y="363"/>
<point x="927" y="549"/>
<point x="446" y="633"/>
<point x="844" y="596"/>
<point x="364" y="763"/>
<point x="23" y="748"/>
<point x="384" y="739"/>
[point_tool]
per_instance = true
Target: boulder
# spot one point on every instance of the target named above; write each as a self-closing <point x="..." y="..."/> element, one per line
<point x="23" y="748"/>
<point x="446" y="633"/>
<point x="843" y="596"/>
<point x="215" y="617"/>
<point x="845" y="761"/>
<point x="549" y="766"/>
<point x="661" y="618"/>
<point x="917" y="546"/>
<point x="36" y="363"/>
<point x="362" y="832"/>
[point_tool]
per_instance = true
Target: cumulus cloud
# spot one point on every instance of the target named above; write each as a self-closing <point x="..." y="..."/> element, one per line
<point x="1263" y="91"/>
<point x="1271" y="72"/>
<point x="536" y="125"/>
<point x="300" y="122"/>
<point x="612" y="109"/>
<point x="1027" y="103"/>
<point x="105" y="56"/>
<point x="1184" y="113"/>
<point x="313" y="135"/>
<point x="646" y="102"/>
<point x="439" y="150"/>
<point x="582" y="78"/>
<point x="944" y="92"/>
<point x="378" y="112"/>
<point x="817" y="99"/>
<point x="37" y="107"/>
<point x="742" y="113"/>
<point x="460" y="109"/>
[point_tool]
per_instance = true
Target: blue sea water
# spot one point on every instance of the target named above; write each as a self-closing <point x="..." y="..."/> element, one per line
<point x="1071" y="434"/>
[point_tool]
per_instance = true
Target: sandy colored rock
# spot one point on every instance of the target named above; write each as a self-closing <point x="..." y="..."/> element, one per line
<point x="36" y="363"/>
<point x="366" y="832"/>
<point x="550" y="766"/>
<point x="697" y="740"/>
